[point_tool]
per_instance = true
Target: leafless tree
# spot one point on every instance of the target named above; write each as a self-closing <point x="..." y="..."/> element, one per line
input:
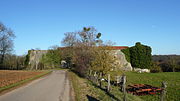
<point x="13" y="61"/>
<point x="6" y="41"/>
<point x="70" y="39"/>
<point x="87" y="51"/>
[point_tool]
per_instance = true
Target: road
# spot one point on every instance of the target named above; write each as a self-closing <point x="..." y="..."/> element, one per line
<point x="53" y="87"/>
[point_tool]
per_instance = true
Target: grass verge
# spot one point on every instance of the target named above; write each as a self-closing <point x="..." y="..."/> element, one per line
<point x="23" y="81"/>
<point x="86" y="90"/>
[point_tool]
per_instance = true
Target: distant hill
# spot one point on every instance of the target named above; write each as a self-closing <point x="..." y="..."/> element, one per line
<point x="165" y="58"/>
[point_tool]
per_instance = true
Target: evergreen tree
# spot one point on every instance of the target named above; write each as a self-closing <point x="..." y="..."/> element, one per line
<point x="140" y="56"/>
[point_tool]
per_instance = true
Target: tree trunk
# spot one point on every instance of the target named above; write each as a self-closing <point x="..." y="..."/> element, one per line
<point x="2" y="58"/>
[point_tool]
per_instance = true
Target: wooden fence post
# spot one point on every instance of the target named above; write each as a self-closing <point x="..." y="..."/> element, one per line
<point x="90" y="72"/>
<point x="91" y="75"/>
<point x="124" y="87"/>
<point x="100" y="77"/>
<point x="95" y="73"/>
<point x="109" y="83"/>
<point x="163" y="92"/>
<point x="96" y="78"/>
<point x="118" y="80"/>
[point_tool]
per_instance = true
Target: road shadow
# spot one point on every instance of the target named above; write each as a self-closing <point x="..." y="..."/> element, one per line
<point x="90" y="98"/>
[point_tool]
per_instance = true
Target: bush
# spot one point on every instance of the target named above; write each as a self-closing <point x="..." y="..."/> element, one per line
<point x="155" y="68"/>
<point x="51" y="59"/>
<point x="140" y="56"/>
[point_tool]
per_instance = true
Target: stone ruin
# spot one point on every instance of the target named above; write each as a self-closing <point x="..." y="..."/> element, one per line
<point x="36" y="55"/>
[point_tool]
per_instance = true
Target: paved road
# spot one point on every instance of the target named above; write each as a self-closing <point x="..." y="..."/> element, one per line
<point x="54" y="87"/>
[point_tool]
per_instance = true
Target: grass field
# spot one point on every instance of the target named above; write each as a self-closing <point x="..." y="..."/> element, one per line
<point x="85" y="89"/>
<point x="12" y="78"/>
<point x="155" y="79"/>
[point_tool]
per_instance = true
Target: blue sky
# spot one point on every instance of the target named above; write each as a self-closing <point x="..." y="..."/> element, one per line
<point x="42" y="23"/>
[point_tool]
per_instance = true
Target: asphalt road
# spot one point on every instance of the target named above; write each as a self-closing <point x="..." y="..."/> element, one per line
<point x="54" y="87"/>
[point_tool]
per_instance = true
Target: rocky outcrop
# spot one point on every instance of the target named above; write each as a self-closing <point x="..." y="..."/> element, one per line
<point x="121" y="62"/>
<point x="139" y="70"/>
<point x="35" y="57"/>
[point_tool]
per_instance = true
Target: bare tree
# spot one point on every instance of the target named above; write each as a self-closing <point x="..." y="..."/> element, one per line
<point x="6" y="41"/>
<point x="70" y="39"/>
<point x="87" y="51"/>
<point x="80" y="46"/>
<point x="13" y="61"/>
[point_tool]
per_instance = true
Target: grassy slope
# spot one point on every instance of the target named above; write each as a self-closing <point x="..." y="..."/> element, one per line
<point x="86" y="90"/>
<point x="23" y="81"/>
<point x="155" y="79"/>
<point x="84" y="87"/>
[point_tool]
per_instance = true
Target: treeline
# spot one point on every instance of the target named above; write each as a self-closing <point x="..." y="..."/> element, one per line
<point x="52" y="59"/>
<point x="13" y="62"/>
<point x="7" y="59"/>
<point x="140" y="57"/>
<point x="167" y="63"/>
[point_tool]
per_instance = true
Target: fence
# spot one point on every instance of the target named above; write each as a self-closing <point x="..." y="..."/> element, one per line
<point x="120" y="81"/>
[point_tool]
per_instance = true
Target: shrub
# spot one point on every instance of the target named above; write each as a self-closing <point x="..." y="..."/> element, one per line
<point x="155" y="68"/>
<point x="140" y="56"/>
<point x="127" y="54"/>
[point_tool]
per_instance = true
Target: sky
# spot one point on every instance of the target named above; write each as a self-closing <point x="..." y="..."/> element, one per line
<point x="42" y="23"/>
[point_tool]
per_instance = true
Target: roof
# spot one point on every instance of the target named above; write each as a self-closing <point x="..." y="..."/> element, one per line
<point x="118" y="47"/>
<point x="112" y="47"/>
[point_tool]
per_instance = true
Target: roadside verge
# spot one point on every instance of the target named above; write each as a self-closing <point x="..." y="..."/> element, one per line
<point x="86" y="90"/>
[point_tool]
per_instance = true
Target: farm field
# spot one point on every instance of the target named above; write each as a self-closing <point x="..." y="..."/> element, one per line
<point x="10" y="77"/>
<point x="155" y="79"/>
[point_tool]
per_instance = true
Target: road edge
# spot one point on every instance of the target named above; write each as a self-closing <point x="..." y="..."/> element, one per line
<point x="72" y="93"/>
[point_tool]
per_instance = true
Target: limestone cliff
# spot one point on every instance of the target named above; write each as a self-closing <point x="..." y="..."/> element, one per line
<point x="35" y="57"/>
<point x="121" y="61"/>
